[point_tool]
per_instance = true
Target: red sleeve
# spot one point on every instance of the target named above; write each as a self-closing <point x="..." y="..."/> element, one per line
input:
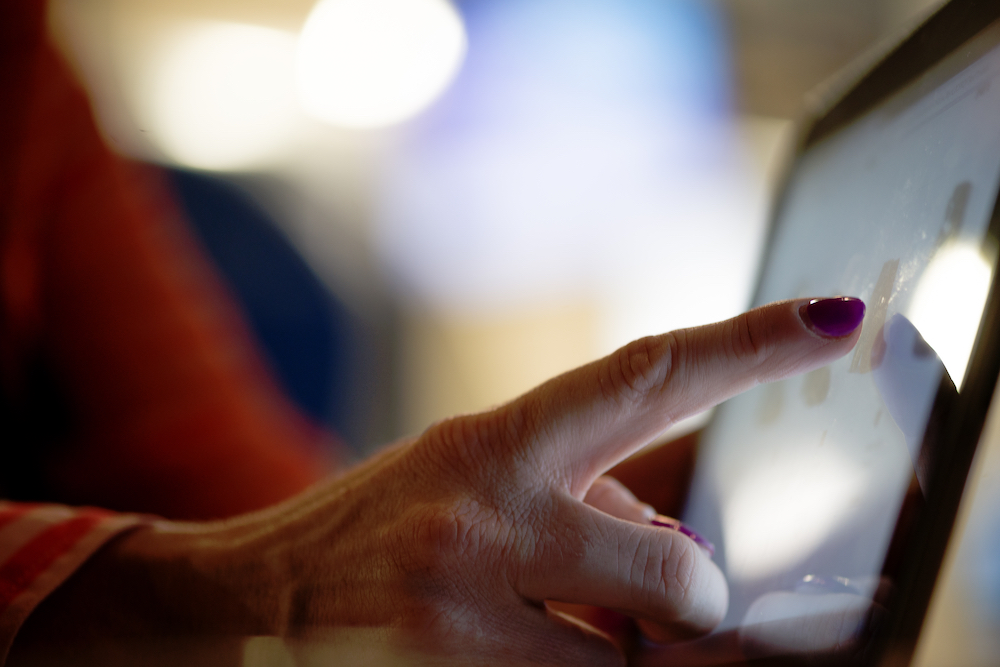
<point x="40" y="546"/>
<point x="172" y="411"/>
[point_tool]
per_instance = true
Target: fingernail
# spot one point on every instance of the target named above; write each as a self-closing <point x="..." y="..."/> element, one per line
<point x="674" y="524"/>
<point x="833" y="318"/>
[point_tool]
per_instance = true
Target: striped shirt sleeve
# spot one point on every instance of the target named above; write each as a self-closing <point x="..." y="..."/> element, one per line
<point x="41" y="545"/>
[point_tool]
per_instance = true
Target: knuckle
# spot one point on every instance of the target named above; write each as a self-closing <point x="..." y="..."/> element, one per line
<point x="641" y="368"/>
<point x="457" y="538"/>
<point x="439" y="547"/>
<point x="748" y="339"/>
<point x="446" y="533"/>
<point x="502" y="437"/>
<point x="519" y="424"/>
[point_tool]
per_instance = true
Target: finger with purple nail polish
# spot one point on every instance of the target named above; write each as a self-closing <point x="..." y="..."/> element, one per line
<point x="835" y="317"/>
<point x="674" y="524"/>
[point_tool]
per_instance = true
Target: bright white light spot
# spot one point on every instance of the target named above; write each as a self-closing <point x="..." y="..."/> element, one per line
<point x="369" y="63"/>
<point x="783" y="510"/>
<point x="221" y="95"/>
<point x="948" y="304"/>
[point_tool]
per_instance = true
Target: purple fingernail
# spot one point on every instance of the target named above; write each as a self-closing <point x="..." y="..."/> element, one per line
<point x="673" y="524"/>
<point x="833" y="318"/>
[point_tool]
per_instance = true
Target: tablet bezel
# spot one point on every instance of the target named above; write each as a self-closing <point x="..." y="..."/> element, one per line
<point x="957" y="420"/>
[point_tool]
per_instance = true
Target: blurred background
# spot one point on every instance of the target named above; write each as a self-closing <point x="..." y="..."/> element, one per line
<point x="427" y="207"/>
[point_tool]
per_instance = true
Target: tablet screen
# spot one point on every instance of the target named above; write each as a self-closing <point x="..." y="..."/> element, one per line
<point x="800" y="483"/>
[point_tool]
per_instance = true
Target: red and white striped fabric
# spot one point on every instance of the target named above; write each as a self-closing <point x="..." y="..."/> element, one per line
<point x="40" y="547"/>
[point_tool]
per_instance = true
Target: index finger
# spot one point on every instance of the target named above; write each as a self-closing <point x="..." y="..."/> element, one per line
<point x="591" y="418"/>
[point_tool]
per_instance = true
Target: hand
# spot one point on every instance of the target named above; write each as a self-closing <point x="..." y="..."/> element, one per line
<point x="452" y="542"/>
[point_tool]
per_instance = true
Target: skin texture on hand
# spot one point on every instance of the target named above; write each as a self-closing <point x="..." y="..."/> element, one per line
<point x="452" y="542"/>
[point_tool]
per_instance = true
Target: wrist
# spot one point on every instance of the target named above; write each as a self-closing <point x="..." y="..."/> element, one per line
<point x="159" y="580"/>
<point x="192" y="580"/>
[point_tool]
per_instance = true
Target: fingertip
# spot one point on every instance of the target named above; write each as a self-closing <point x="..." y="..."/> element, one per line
<point x="805" y="334"/>
<point x="708" y="595"/>
<point x="701" y="594"/>
<point x="714" y="594"/>
<point x="832" y="317"/>
<point x="717" y="581"/>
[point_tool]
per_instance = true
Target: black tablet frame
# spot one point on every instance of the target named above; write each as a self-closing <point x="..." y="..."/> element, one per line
<point x="957" y="420"/>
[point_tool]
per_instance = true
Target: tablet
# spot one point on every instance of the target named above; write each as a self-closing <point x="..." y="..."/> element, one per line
<point x="830" y="496"/>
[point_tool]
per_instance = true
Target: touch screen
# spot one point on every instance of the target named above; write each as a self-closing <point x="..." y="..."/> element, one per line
<point x="800" y="482"/>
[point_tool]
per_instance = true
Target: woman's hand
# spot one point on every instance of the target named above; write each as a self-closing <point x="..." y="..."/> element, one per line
<point x="452" y="542"/>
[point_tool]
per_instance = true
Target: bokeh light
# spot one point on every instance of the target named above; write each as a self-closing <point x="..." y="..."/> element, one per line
<point x="370" y="63"/>
<point x="785" y="508"/>
<point x="585" y="152"/>
<point x="221" y="95"/>
<point x="948" y="304"/>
